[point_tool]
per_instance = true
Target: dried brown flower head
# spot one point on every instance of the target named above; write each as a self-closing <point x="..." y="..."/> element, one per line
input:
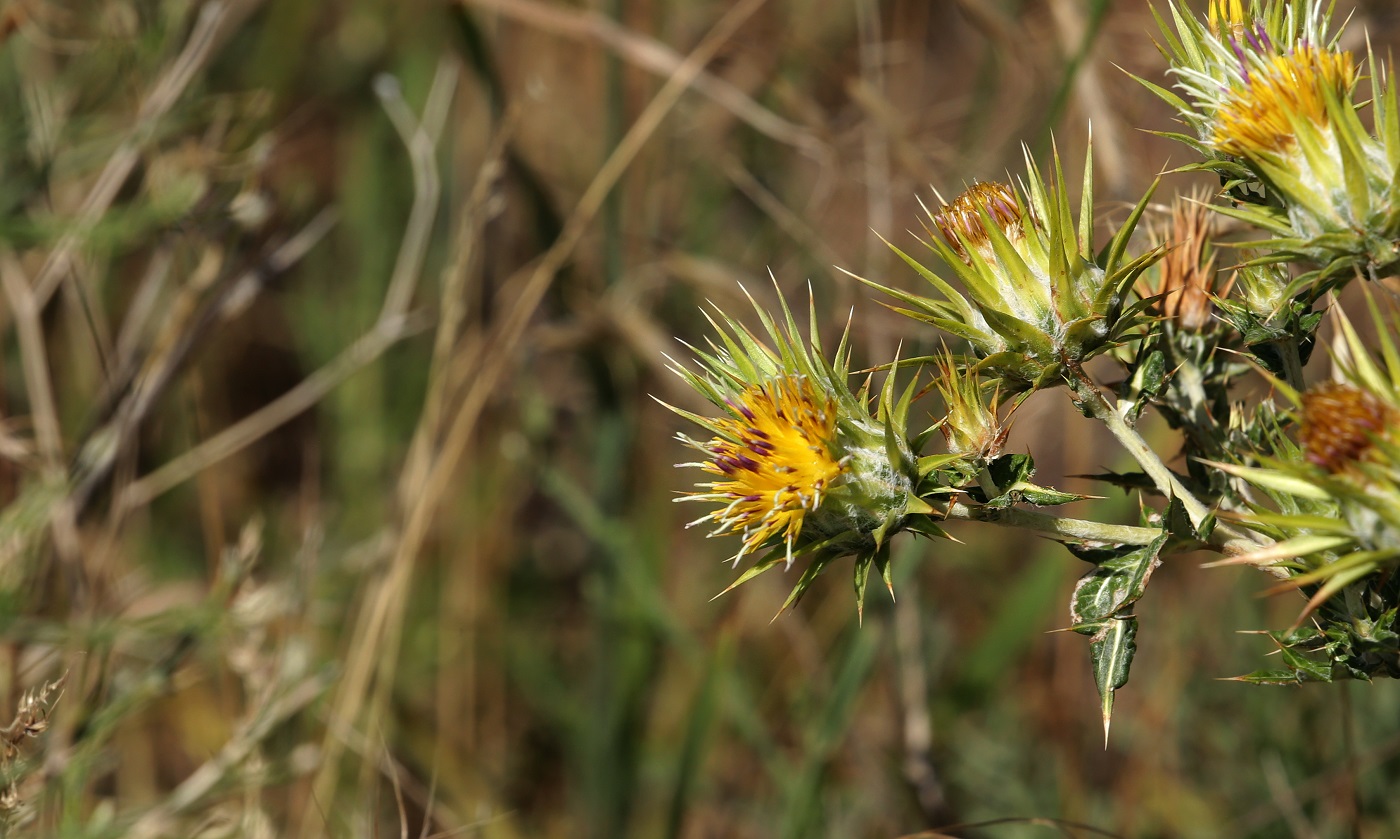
<point x="961" y="221"/>
<point x="1187" y="277"/>
<point x="1340" y="422"/>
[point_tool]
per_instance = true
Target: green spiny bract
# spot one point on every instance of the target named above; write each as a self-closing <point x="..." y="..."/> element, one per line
<point x="1334" y="512"/>
<point x="1037" y="297"/>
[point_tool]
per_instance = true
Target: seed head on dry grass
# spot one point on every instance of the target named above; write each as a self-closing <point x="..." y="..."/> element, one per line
<point x="31" y="720"/>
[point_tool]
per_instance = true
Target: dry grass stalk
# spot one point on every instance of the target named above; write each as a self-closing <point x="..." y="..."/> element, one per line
<point x="215" y="22"/>
<point x="31" y="720"/>
<point x="658" y="58"/>
<point x="380" y="624"/>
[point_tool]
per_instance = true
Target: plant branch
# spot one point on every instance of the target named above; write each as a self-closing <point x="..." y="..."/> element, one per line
<point x="1088" y="396"/>
<point x="1223" y="538"/>
<point x="1056" y="527"/>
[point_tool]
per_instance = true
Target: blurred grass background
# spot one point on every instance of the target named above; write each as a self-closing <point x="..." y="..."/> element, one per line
<point x="337" y="502"/>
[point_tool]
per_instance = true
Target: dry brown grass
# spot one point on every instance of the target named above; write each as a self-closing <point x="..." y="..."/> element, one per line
<point x="335" y="499"/>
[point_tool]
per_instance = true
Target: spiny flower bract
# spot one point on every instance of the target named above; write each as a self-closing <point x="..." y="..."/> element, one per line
<point x="1036" y="296"/>
<point x="1335" y="493"/>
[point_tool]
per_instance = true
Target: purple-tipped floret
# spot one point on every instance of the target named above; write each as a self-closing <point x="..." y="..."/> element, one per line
<point x="760" y="448"/>
<point x="743" y="461"/>
<point x="740" y="408"/>
<point x="1259" y="39"/>
<point x="1239" y="54"/>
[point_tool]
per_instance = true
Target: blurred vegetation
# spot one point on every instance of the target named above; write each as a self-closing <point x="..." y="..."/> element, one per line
<point x="336" y="501"/>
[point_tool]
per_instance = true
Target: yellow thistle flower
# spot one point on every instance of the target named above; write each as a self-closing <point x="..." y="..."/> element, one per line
<point x="1259" y="117"/>
<point x="1270" y="95"/>
<point x="802" y="466"/>
<point x="1211" y="60"/>
<point x="776" y="461"/>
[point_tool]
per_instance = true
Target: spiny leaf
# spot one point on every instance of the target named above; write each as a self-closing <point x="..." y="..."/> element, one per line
<point x="1111" y="652"/>
<point x="1119" y="580"/>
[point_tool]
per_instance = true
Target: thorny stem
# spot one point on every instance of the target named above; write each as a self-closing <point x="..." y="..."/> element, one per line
<point x="1088" y="395"/>
<point x="1059" y="527"/>
<point x="1223" y="538"/>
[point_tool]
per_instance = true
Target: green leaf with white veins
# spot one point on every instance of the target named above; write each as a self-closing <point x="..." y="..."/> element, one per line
<point x="1100" y="609"/>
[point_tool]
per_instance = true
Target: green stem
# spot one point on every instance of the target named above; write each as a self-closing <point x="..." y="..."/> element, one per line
<point x="1059" y="527"/>
<point x="1287" y="349"/>
<point x="1090" y="397"/>
<point x="1223" y="538"/>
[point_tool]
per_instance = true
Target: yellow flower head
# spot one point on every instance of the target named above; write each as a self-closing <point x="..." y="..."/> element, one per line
<point x="961" y="221"/>
<point x="798" y="464"/>
<point x="1259" y="116"/>
<point x="776" y="461"/>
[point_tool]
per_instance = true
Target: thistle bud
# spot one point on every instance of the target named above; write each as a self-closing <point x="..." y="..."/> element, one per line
<point x="1035" y="295"/>
<point x="971" y="426"/>
<point x="1265" y="290"/>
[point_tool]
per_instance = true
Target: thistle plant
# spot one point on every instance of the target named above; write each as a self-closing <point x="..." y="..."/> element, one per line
<point x="1304" y="485"/>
